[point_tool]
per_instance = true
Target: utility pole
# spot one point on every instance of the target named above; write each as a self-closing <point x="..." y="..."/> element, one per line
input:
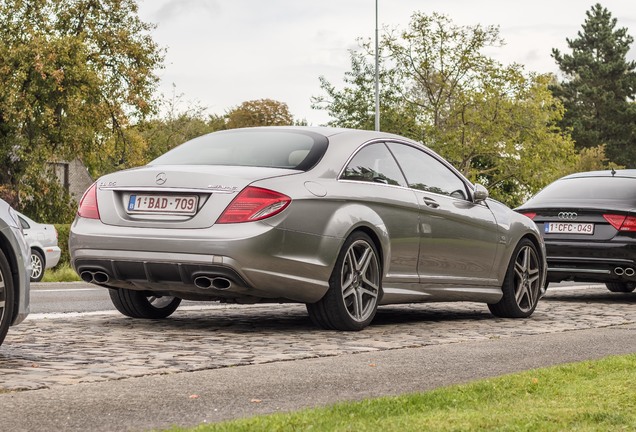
<point x="377" y="79"/>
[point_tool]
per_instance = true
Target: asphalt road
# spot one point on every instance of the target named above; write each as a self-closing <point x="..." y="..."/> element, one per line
<point x="212" y="395"/>
<point x="458" y="344"/>
<point x="66" y="297"/>
<point x="69" y="297"/>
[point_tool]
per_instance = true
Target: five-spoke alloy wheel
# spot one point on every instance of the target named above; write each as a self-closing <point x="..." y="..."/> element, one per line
<point x="522" y="285"/>
<point x="354" y="287"/>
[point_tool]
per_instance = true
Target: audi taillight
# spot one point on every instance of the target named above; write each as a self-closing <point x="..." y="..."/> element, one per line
<point x="88" y="204"/>
<point x="529" y="215"/>
<point x="621" y="222"/>
<point x="253" y="204"/>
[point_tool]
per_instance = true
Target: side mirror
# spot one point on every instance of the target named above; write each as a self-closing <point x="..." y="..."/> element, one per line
<point x="480" y="193"/>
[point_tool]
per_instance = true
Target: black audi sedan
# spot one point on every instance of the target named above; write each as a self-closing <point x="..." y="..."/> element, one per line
<point x="588" y="222"/>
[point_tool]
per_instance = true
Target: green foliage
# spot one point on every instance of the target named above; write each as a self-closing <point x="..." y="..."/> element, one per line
<point x="593" y="159"/>
<point x="588" y="396"/>
<point x="495" y="123"/>
<point x="63" y="231"/>
<point x="175" y="127"/>
<point x="354" y="105"/>
<point x="61" y="273"/>
<point x="261" y="112"/>
<point x="599" y="87"/>
<point x="74" y="73"/>
<point x="159" y="134"/>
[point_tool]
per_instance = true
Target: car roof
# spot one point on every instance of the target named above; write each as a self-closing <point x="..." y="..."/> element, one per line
<point x="326" y="131"/>
<point x="624" y="173"/>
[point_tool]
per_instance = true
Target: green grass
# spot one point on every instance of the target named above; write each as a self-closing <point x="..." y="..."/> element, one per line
<point x="589" y="396"/>
<point x="61" y="273"/>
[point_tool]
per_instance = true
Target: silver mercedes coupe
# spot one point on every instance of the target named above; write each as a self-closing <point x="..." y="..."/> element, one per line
<point x="341" y="220"/>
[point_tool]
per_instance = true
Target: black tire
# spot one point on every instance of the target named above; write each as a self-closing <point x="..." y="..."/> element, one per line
<point x="521" y="287"/>
<point x="37" y="266"/>
<point x="354" y="287"/>
<point x="7" y="292"/>
<point x="620" y="287"/>
<point x="137" y="304"/>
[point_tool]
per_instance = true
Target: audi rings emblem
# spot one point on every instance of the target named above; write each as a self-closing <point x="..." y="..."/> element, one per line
<point x="161" y="178"/>
<point x="567" y="215"/>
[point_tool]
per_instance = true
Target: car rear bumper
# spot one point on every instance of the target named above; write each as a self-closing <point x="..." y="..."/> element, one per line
<point x="52" y="256"/>
<point x="247" y="263"/>
<point x="591" y="262"/>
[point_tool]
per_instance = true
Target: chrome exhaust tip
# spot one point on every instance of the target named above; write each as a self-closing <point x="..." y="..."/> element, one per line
<point x="221" y="283"/>
<point x="97" y="276"/>
<point x="86" y="276"/>
<point x="100" y="277"/>
<point x="216" y="282"/>
<point x="203" y="282"/>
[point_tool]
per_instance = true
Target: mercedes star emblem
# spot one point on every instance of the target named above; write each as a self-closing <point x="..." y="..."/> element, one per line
<point x="161" y="178"/>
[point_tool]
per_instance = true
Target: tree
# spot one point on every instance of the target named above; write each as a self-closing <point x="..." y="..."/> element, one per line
<point x="74" y="74"/>
<point x="599" y="87"/>
<point x="176" y="126"/>
<point x="261" y="112"/>
<point x="593" y="159"/>
<point x="354" y="106"/>
<point x="495" y="123"/>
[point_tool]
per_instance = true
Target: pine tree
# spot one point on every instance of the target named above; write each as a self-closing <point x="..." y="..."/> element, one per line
<point x="599" y="87"/>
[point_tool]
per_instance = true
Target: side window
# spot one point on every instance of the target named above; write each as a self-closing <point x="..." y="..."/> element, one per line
<point x="426" y="173"/>
<point x="375" y="164"/>
<point x="24" y="223"/>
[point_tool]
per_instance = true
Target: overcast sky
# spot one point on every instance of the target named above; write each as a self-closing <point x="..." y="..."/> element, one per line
<point x="224" y="52"/>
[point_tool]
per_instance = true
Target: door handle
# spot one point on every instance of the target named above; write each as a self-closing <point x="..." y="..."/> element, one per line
<point x="430" y="202"/>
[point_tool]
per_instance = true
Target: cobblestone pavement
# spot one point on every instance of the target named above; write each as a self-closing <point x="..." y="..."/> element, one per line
<point x="66" y="350"/>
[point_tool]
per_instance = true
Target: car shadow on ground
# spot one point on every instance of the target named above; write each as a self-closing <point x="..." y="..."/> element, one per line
<point x="294" y="319"/>
<point x="390" y="315"/>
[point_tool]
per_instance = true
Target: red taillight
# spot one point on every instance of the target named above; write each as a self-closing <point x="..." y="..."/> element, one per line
<point x="621" y="222"/>
<point x="254" y="204"/>
<point x="88" y="204"/>
<point x="529" y="215"/>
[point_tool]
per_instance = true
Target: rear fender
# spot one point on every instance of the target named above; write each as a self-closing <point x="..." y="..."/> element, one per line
<point x="352" y="217"/>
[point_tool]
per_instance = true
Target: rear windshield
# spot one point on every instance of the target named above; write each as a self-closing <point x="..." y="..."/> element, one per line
<point x="298" y="150"/>
<point x="588" y="188"/>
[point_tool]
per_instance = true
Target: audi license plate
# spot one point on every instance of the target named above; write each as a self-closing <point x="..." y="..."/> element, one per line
<point x="167" y="204"/>
<point x="569" y="228"/>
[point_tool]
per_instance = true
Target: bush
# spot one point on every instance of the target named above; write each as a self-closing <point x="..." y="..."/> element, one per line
<point x="62" y="241"/>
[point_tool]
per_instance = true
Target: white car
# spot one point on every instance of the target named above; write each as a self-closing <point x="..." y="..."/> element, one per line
<point x="42" y="240"/>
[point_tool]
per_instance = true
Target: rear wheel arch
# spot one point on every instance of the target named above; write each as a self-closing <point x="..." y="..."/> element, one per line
<point x="41" y="251"/>
<point x="376" y="240"/>
<point x="533" y="239"/>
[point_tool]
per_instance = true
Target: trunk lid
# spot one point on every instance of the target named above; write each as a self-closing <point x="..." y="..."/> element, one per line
<point x="575" y="223"/>
<point x="191" y="196"/>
